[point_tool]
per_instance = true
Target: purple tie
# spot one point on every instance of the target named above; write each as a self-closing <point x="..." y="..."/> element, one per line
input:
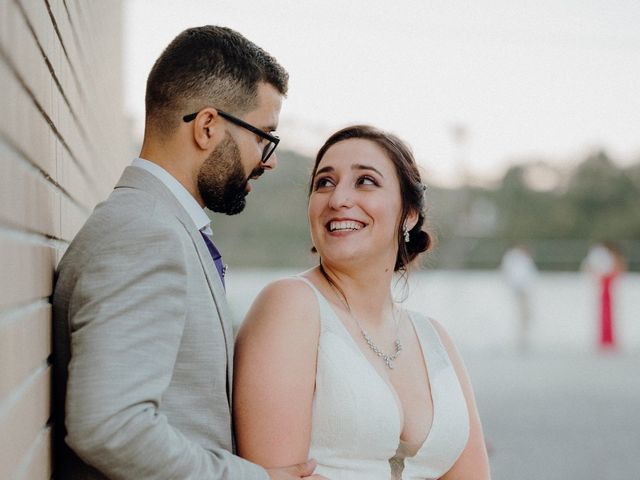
<point x="217" y="258"/>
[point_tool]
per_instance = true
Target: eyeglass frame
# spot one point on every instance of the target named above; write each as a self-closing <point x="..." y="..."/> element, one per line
<point x="241" y="123"/>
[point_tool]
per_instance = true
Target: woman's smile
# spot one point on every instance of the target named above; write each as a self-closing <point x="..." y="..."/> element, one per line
<point x="355" y="195"/>
<point x="337" y="226"/>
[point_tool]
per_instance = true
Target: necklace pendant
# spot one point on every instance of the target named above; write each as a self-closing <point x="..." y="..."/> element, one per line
<point x="388" y="359"/>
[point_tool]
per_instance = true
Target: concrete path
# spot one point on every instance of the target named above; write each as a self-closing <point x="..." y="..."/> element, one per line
<point x="556" y="416"/>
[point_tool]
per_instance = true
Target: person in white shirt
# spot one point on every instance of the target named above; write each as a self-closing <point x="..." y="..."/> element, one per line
<point x="520" y="272"/>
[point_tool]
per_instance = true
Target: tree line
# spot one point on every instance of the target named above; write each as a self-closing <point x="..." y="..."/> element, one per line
<point x="557" y="214"/>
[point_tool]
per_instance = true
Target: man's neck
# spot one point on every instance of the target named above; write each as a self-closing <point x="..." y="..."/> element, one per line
<point x="175" y="162"/>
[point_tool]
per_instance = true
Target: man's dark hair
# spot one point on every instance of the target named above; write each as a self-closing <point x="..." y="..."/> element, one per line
<point x="208" y="66"/>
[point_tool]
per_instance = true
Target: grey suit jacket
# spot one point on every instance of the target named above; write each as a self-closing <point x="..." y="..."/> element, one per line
<point x="143" y="346"/>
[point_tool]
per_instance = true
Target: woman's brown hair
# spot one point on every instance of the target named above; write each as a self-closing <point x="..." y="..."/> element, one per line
<point x="411" y="187"/>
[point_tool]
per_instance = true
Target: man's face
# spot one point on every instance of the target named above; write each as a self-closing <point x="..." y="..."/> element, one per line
<point x="223" y="179"/>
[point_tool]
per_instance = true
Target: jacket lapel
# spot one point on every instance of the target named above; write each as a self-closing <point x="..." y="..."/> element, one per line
<point x="220" y="299"/>
<point x="134" y="177"/>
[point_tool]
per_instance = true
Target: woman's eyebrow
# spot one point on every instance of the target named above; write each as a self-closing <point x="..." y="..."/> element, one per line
<point x="324" y="170"/>
<point x="359" y="166"/>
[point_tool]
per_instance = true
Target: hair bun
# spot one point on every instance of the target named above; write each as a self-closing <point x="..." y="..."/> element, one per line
<point x="420" y="242"/>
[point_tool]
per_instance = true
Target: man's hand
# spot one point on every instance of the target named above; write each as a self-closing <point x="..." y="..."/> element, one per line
<point x="302" y="470"/>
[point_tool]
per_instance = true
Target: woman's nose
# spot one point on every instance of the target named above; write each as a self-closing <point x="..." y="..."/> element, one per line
<point x="341" y="197"/>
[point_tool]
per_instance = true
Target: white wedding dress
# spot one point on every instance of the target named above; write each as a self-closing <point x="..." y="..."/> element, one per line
<point x="357" y="417"/>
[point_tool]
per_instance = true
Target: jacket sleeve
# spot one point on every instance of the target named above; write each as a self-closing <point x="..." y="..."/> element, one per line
<point x="127" y="313"/>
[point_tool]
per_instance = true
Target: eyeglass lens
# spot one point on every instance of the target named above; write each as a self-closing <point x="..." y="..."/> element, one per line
<point x="268" y="150"/>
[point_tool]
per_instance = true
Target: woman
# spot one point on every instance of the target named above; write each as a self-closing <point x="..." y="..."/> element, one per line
<point x="328" y="366"/>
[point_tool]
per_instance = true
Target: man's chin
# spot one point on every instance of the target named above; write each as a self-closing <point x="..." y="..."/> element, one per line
<point x="229" y="207"/>
<point x="235" y="211"/>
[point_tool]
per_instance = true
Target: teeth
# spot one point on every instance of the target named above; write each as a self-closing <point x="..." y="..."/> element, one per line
<point x="344" y="225"/>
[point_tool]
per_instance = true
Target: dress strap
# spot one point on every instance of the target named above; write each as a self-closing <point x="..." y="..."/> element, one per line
<point x="434" y="350"/>
<point x="326" y="311"/>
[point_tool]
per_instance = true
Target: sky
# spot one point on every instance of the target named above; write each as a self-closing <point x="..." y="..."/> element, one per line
<point x="472" y="86"/>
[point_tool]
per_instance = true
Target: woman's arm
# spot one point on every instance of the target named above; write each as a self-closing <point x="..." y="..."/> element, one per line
<point x="473" y="462"/>
<point x="275" y="371"/>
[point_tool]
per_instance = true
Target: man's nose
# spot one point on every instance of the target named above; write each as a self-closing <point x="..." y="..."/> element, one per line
<point x="272" y="162"/>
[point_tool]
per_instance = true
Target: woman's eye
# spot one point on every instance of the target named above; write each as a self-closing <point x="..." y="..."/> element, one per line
<point x="366" y="180"/>
<point x="323" y="182"/>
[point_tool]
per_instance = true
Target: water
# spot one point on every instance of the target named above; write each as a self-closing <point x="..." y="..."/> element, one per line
<point x="479" y="311"/>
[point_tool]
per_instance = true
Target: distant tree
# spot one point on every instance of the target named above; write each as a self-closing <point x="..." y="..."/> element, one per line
<point x="597" y="201"/>
<point x="633" y="172"/>
<point x="602" y="199"/>
<point x="519" y="207"/>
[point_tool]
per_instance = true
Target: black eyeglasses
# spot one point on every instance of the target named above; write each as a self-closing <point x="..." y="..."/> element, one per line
<point x="269" y="147"/>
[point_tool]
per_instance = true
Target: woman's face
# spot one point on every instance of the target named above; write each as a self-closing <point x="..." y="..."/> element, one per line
<point x="355" y="204"/>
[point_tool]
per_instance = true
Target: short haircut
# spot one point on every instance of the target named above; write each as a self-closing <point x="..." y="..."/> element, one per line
<point x="208" y="66"/>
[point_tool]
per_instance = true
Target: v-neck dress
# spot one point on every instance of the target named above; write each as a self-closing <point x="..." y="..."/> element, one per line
<point x="357" y="418"/>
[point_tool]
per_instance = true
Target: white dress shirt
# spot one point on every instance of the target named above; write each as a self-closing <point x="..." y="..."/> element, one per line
<point x="200" y="219"/>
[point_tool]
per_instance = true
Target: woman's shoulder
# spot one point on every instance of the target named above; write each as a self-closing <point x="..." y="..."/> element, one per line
<point x="285" y="304"/>
<point x="295" y="291"/>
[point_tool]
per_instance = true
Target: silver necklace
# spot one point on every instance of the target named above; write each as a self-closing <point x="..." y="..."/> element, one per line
<point x="387" y="358"/>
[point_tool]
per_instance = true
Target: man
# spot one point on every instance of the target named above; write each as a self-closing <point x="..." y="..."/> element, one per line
<point x="143" y="344"/>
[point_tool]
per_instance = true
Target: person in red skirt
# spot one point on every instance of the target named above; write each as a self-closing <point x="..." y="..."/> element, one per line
<point x="606" y="261"/>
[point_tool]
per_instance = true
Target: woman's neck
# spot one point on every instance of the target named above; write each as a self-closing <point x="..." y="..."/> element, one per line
<point x="365" y="293"/>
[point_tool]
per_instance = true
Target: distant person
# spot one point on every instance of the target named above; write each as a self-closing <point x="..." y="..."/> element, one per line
<point x="605" y="261"/>
<point x="520" y="273"/>
<point x="143" y="344"/>
<point x="328" y="365"/>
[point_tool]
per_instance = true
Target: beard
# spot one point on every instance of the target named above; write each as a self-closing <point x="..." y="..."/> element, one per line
<point x="221" y="180"/>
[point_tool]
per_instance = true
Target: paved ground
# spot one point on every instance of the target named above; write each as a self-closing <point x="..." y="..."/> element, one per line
<point x="559" y="416"/>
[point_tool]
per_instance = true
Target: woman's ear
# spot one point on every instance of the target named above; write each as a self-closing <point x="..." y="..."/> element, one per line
<point x="411" y="220"/>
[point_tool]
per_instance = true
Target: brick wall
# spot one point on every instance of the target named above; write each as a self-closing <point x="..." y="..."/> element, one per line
<point x="63" y="144"/>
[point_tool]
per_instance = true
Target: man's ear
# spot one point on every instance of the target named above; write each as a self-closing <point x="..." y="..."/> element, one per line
<point x="207" y="128"/>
